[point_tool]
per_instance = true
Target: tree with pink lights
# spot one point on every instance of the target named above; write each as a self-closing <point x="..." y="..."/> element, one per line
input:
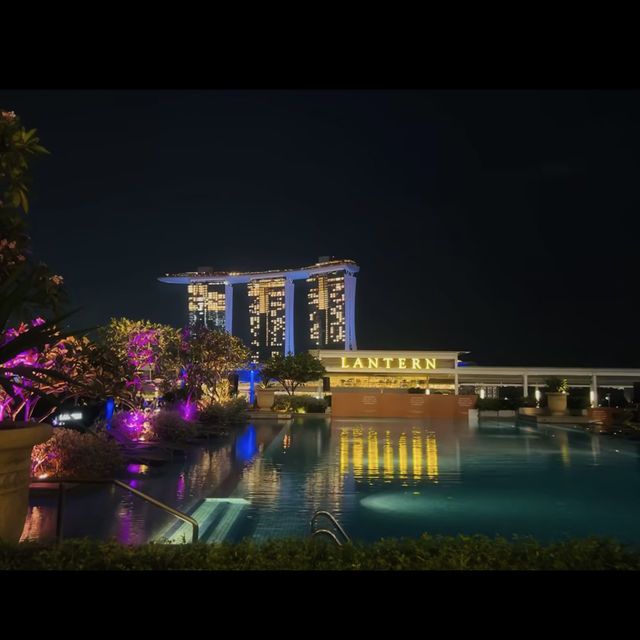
<point x="210" y="357"/>
<point x="152" y="351"/>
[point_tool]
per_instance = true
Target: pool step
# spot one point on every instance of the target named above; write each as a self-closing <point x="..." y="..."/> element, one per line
<point x="215" y="518"/>
<point x="234" y="507"/>
<point x="204" y="514"/>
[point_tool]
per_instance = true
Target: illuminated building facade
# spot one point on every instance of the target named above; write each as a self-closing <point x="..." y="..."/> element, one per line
<point x="329" y="305"/>
<point x="445" y="373"/>
<point x="267" y="317"/>
<point x="327" y="309"/>
<point x="206" y="304"/>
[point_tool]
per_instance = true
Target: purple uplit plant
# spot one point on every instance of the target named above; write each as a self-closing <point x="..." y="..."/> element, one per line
<point x="188" y="409"/>
<point x="136" y="425"/>
<point x="21" y="398"/>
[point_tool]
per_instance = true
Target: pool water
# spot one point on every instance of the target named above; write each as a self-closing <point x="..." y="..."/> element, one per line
<point x="380" y="478"/>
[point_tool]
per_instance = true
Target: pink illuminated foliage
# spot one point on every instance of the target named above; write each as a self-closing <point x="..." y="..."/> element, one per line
<point x="28" y="375"/>
<point x="150" y="350"/>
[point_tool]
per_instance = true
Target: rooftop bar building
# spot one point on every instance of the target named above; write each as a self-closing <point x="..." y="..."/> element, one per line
<point x="442" y="373"/>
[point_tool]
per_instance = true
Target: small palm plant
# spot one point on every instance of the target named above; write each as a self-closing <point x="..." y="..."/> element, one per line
<point x="557" y="385"/>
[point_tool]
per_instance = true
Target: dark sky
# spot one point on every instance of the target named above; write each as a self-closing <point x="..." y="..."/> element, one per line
<point x="500" y="222"/>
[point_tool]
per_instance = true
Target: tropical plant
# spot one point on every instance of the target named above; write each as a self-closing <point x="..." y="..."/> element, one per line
<point x="293" y="370"/>
<point x="210" y="356"/>
<point x="556" y="385"/>
<point x="37" y="288"/>
<point x="29" y="367"/>
<point x="152" y="350"/>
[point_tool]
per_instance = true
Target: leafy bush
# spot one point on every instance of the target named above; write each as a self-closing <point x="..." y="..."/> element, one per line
<point x="299" y="404"/>
<point x="170" y="426"/>
<point x="230" y="412"/>
<point x="72" y="454"/>
<point x="427" y="553"/>
<point x="416" y="390"/>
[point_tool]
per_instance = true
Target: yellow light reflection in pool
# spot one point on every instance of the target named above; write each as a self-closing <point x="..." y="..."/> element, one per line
<point x="387" y="457"/>
<point x="344" y="451"/>
<point x="432" y="456"/>
<point x="402" y="455"/>
<point x="358" y="451"/>
<point x="373" y="454"/>
<point x="563" y="441"/>
<point x="416" y="454"/>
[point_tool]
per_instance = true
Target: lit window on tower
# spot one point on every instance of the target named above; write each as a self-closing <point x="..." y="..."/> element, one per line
<point x="266" y="316"/>
<point x="326" y="310"/>
<point x="206" y="305"/>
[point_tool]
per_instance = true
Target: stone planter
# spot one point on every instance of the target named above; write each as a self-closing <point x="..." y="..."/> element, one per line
<point x="16" y="442"/>
<point x="557" y="403"/>
<point x="265" y="398"/>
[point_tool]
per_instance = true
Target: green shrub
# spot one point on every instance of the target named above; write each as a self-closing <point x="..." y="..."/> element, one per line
<point x="299" y="404"/>
<point x="72" y="454"/>
<point x="170" y="426"/>
<point x="556" y="385"/>
<point x="232" y="411"/>
<point x="416" y="390"/>
<point x="427" y="553"/>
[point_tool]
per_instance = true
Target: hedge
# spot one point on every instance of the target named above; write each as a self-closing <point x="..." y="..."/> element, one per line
<point x="475" y="553"/>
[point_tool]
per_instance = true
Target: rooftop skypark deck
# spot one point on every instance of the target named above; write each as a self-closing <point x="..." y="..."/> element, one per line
<point x="237" y="277"/>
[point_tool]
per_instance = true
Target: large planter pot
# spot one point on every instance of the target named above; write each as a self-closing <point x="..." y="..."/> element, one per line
<point x="557" y="403"/>
<point x="265" y="398"/>
<point x="16" y="442"/>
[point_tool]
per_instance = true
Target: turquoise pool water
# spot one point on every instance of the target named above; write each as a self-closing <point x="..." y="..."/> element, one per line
<point x="381" y="478"/>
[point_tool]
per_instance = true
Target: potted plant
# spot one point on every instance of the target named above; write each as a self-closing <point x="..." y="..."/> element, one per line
<point x="265" y="395"/>
<point x="557" y="395"/>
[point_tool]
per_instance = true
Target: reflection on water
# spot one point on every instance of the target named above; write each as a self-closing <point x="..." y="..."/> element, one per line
<point x="105" y="512"/>
<point x="408" y="464"/>
<point x="381" y="478"/>
<point x="386" y="478"/>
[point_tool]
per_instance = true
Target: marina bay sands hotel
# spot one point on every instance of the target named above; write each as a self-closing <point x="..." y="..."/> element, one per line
<point x="277" y="311"/>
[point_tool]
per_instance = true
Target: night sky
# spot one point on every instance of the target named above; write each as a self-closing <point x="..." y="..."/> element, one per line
<point x="504" y="223"/>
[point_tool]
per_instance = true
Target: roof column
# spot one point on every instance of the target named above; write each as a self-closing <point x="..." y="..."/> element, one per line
<point x="525" y="384"/>
<point x="349" y="312"/>
<point x="288" y="317"/>
<point x="228" y="307"/>
<point x="594" y="391"/>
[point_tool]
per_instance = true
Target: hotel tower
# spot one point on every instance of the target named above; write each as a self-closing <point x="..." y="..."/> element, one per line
<point x="326" y="289"/>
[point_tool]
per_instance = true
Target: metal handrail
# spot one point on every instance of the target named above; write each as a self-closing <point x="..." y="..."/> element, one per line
<point x="327" y="533"/>
<point x="331" y="517"/>
<point x="118" y="483"/>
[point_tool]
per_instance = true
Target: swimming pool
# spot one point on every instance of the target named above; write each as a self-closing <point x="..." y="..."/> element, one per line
<point x="392" y="478"/>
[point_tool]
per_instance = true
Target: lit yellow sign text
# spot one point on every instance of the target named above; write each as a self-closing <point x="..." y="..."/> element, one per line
<point x="401" y="363"/>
